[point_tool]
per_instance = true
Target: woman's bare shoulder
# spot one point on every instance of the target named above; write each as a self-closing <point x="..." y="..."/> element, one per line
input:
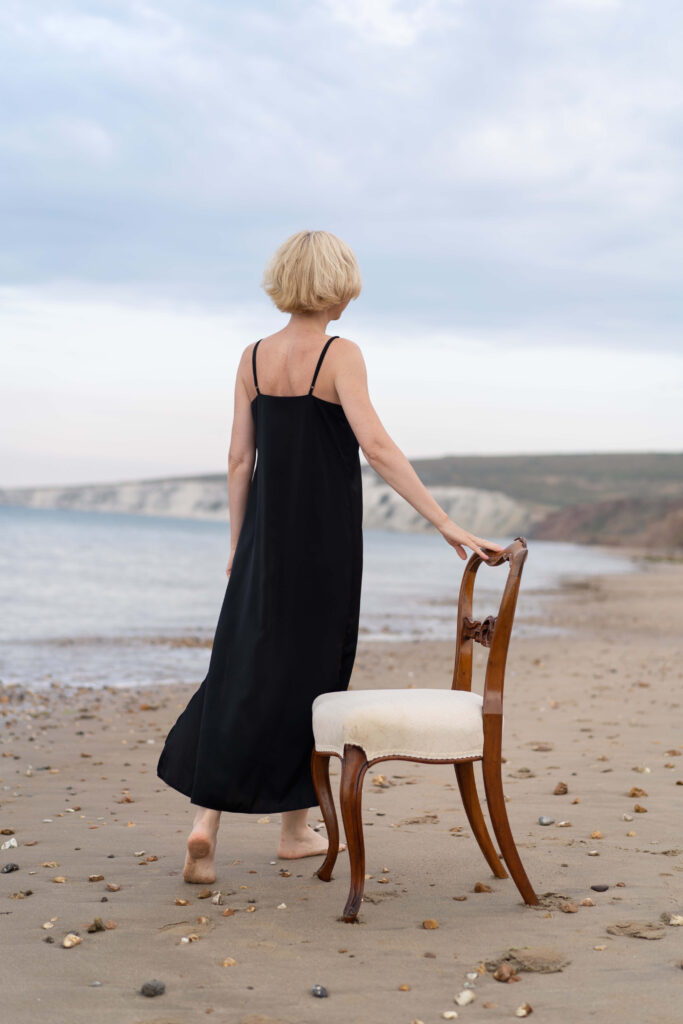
<point x="347" y="349"/>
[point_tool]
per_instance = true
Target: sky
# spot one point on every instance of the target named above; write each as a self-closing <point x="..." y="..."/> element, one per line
<point x="508" y="174"/>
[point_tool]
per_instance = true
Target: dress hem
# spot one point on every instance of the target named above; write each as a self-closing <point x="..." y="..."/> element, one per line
<point x="259" y="809"/>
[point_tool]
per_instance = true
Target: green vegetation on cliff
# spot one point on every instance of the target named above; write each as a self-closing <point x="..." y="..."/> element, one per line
<point x="561" y="480"/>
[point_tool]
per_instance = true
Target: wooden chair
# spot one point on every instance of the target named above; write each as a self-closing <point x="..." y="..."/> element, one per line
<point x="455" y="726"/>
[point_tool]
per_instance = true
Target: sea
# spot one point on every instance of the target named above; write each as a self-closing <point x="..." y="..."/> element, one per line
<point x="96" y="599"/>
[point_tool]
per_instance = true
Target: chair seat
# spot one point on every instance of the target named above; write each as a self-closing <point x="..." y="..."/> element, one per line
<point x="424" y="724"/>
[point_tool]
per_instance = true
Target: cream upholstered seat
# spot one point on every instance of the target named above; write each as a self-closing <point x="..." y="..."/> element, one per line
<point x="427" y="724"/>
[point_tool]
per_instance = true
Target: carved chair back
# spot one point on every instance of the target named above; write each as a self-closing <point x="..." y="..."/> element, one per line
<point x="493" y="632"/>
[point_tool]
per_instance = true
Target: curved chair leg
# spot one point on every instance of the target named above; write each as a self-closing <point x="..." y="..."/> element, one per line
<point x="464" y="773"/>
<point x="320" y="770"/>
<point x="493" y="785"/>
<point x="354" y="767"/>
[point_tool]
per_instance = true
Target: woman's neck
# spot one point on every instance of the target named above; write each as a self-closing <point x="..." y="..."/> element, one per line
<point x="312" y="324"/>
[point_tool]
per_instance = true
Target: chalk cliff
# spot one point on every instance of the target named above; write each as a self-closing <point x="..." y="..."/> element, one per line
<point x="205" y="497"/>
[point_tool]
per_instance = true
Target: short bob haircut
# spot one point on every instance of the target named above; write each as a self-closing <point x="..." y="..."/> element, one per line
<point x="310" y="272"/>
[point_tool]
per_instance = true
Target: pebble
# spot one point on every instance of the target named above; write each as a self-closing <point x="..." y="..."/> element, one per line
<point x="465" y="997"/>
<point x="569" y="908"/>
<point x="504" y="972"/>
<point x="597" y="834"/>
<point x="430" y="924"/>
<point x="153" y="988"/>
<point x="9" y="844"/>
<point x="10" y="867"/>
<point x="450" y="1015"/>
<point x="544" y="820"/>
<point x="599" y="888"/>
<point x="593" y="853"/>
<point x="627" y="817"/>
<point x="229" y="962"/>
<point x="95" y="984"/>
<point x="70" y="940"/>
<point x="639" y="809"/>
<point x="523" y="1011"/>
<point x="482" y="887"/>
<point x="282" y="906"/>
<point x="560" y="789"/>
<point x="319" y="991"/>
<point x="587" y="902"/>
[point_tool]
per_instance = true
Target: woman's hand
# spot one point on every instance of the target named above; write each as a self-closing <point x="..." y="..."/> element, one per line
<point x="229" y="568"/>
<point x="460" y="539"/>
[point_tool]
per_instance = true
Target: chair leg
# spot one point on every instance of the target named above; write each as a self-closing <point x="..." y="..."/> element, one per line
<point x="320" y="770"/>
<point x="464" y="773"/>
<point x="354" y="767"/>
<point x="493" y="785"/>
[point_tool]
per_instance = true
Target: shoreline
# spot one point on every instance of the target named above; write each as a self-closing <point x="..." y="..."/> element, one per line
<point x="531" y="622"/>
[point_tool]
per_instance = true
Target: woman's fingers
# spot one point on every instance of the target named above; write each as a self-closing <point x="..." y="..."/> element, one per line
<point x="491" y="545"/>
<point x="460" y="539"/>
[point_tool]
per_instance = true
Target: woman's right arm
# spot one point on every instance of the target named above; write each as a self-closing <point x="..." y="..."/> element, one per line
<point x="384" y="455"/>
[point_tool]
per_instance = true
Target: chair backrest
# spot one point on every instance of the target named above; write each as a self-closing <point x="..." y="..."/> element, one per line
<point x="493" y="631"/>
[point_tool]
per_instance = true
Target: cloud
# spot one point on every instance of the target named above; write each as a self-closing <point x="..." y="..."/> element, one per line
<point x="493" y="165"/>
<point x="391" y="23"/>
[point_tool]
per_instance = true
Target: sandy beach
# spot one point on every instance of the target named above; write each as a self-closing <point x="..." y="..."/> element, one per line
<point x="597" y="707"/>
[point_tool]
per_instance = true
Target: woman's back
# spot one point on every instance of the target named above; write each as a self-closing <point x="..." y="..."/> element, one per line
<point x="286" y="364"/>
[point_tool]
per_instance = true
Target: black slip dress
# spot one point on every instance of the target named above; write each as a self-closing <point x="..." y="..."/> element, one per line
<point x="288" y="626"/>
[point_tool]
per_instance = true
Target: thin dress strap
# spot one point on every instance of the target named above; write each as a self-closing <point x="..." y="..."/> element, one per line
<point x="253" y="364"/>
<point x="320" y="361"/>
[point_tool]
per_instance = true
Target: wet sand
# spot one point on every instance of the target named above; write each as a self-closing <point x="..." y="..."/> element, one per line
<point x="598" y="708"/>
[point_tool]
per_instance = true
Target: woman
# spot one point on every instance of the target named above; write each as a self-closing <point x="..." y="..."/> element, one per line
<point x="288" y="627"/>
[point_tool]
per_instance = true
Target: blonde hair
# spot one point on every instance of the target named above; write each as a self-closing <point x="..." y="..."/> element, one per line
<point x="312" y="271"/>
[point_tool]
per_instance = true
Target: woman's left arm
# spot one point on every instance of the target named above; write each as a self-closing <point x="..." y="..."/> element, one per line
<point x="241" y="455"/>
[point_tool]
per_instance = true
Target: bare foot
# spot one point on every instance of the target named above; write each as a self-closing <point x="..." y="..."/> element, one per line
<point x="201" y="850"/>
<point x="303" y="844"/>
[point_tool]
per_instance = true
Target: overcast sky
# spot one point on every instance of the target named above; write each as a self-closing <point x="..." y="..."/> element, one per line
<point x="509" y="175"/>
